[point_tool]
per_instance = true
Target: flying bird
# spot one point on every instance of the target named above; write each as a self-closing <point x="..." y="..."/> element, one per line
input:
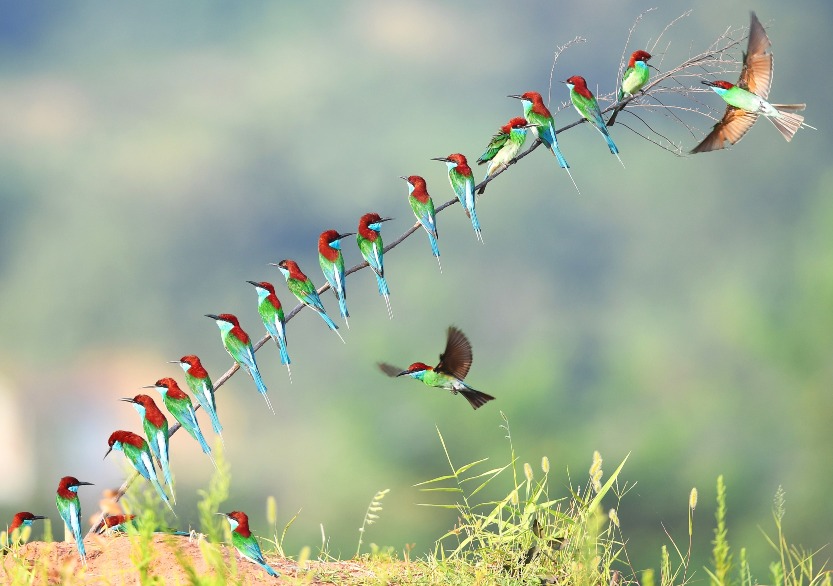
<point x="449" y="373"/>
<point x="748" y="98"/>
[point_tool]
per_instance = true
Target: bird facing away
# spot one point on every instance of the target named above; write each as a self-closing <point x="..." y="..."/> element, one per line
<point x="137" y="452"/>
<point x="239" y="346"/>
<point x="271" y="314"/>
<point x="423" y="207"/>
<point x="369" y="239"/>
<point x="748" y="98"/>
<point x="200" y="384"/>
<point x="585" y="104"/>
<point x="179" y="405"/>
<point x="537" y="113"/>
<point x="462" y="182"/>
<point x="332" y="265"/>
<point x="245" y="542"/>
<point x="635" y="77"/>
<point x="302" y="288"/>
<point x="19" y="521"/>
<point x="69" y="508"/>
<point x="504" y="147"/>
<point x="156" y="431"/>
<point x="449" y="373"/>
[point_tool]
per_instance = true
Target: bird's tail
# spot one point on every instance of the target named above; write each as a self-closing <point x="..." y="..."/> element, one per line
<point x="268" y="569"/>
<point x="330" y="323"/>
<point x="261" y="386"/>
<point x="281" y="342"/>
<point x="165" y="464"/>
<point x="382" y="283"/>
<point x="211" y="407"/>
<point x="557" y="152"/>
<point x="475" y="398"/>
<point x="155" y="482"/>
<point x="79" y="541"/>
<point x="435" y="248"/>
<point x="475" y="223"/>
<point x="342" y="305"/>
<point x="788" y="122"/>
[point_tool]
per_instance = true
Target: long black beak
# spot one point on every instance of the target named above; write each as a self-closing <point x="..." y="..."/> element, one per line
<point x="129" y="400"/>
<point x="149" y="387"/>
<point x="708" y="83"/>
<point x="255" y="283"/>
<point x="346" y="234"/>
<point x="212" y="316"/>
<point x="35" y="517"/>
<point x="385" y="220"/>
<point x="104" y="458"/>
<point x="404" y="372"/>
<point x="443" y="159"/>
<point x="516" y="97"/>
<point x="405" y="178"/>
<point x="174" y="362"/>
<point x="273" y="264"/>
<point x="86" y="483"/>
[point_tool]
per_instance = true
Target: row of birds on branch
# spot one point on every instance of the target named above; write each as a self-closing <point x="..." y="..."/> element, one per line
<point x="746" y="101"/>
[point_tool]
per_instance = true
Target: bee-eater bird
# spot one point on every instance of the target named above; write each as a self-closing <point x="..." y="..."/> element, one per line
<point x="245" y="542"/>
<point x="156" y="430"/>
<point x="137" y="452"/>
<point x="369" y="238"/>
<point x="449" y="373"/>
<point x="239" y="346"/>
<point x="462" y="182"/>
<point x="19" y="521"/>
<point x="200" y="384"/>
<point x="537" y="113"/>
<point x="117" y="523"/>
<point x="271" y="313"/>
<point x="585" y="104"/>
<point x="180" y="406"/>
<point x="635" y="77"/>
<point x="504" y="147"/>
<point x="332" y="264"/>
<point x="70" y="509"/>
<point x="302" y="288"/>
<point x="748" y="98"/>
<point x="423" y="207"/>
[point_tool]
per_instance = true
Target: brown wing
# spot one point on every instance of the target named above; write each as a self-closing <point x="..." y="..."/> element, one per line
<point x="457" y="356"/>
<point x="732" y="127"/>
<point x="756" y="75"/>
<point x="389" y="369"/>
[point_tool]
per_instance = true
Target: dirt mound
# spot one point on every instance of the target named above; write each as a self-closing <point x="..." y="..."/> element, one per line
<point x="113" y="561"/>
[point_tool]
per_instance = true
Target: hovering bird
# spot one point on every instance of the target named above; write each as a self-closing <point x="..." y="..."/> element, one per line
<point x="462" y="182"/>
<point x="423" y="207"/>
<point x="19" y="522"/>
<point x="200" y="384"/>
<point x="748" y="98"/>
<point x="70" y="509"/>
<point x="585" y="104"/>
<point x="137" y="452"/>
<point x="271" y="313"/>
<point x="449" y="373"/>
<point x="180" y="406"/>
<point x="245" y="542"/>
<point x="156" y="430"/>
<point x="302" y="288"/>
<point x="369" y="238"/>
<point x="537" y="113"/>
<point x="239" y="346"/>
<point x="332" y="264"/>
<point x="504" y="147"/>
<point x="635" y="77"/>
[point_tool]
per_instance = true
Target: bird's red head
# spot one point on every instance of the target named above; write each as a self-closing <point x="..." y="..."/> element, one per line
<point x="113" y="520"/>
<point x="533" y="97"/>
<point x="264" y="285"/>
<point x="68" y="482"/>
<point x="324" y="248"/>
<point x="232" y="319"/>
<point x="417" y="181"/>
<point x="242" y="522"/>
<point x="516" y="122"/>
<point x="22" y="517"/>
<point x="417" y="366"/>
<point x="459" y="159"/>
<point x="152" y="412"/>
<point x="639" y="56"/>
<point x="295" y="271"/>
<point x="364" y="225"/>
<point x="195" y="366"/>
<point x="577" y="81"/>
<point x="720" y="83"/>
<point x="125" y="437"/>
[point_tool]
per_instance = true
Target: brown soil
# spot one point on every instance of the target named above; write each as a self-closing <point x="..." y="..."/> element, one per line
<point x="109" y="563"/>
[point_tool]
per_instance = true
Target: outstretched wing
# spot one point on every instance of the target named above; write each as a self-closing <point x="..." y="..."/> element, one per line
<point x="756" y="75"/>
<point x="457" y="356"/>
<point x="389" y="369"/>
<point x="734" y="124"/>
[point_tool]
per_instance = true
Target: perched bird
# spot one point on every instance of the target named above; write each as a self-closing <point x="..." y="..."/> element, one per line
<point x="462" y="182"/>
<point x="504" y="147"/>
<point x="239" y="346"/>
<point x="585" y="104"/>
<point x="137" y="452"/>
<point x="635" y="77"/>
<point x="332" y="264"/>
<point x="156" y="430"/>
<point x="537" y="113"/>
<point x="117" y="523"/>
<point x="449" y="373"/>
<point x="19" y="521"/>
<point x="423" y="207"/>
<point x="748" y="98"/>
<point x="70" y="509"/>
<point x="245" y="542"/>
<point x="301" y="287"/>
<point x="200" y="384"/>
<point x="271" y="313"/>
<point x="180" y="406"/>
<point x="369" y="239"/>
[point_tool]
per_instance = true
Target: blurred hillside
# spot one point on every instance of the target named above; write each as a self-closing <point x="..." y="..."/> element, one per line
<point x="155" y="157"/>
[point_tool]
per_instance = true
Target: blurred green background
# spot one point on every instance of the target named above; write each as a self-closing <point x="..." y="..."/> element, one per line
<point x="155" y="156"/>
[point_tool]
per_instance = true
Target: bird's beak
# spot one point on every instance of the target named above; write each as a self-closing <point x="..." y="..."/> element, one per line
<point x="443" y="159"/>
<point x="346" y="234"/>
<point x="405" y="178"/>
<point x="273" y="264"/>
<point x="516" y="97"/>
<point x="385" y="220"/>
<point x="529" y="125"/>
<point x="707" y="82"/>
<point x="565" y="81"/>
<point x="212" y="316"/>
<point x="404" y="372"/>
<point x="104" y="458"/>
<point x="652" y="67"/>
<point x="35" y="517"/>
<point x="149" y="387"/>
<point x="174" y="362"/>
<point x="87" y="483"/>
<point x="128" y="400"/>
<point x="255" y="283"/>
